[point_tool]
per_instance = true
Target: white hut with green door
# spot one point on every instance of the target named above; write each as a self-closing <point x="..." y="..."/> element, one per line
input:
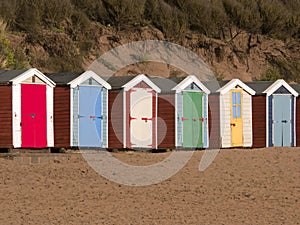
<point x="191" y="111"/>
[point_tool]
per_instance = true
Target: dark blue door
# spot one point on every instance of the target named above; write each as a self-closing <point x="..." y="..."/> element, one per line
<point x="90" y="116"/>
<point x="282" y="120"/>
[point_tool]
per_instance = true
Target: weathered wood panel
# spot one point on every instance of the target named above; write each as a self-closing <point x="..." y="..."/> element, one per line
<point x="115" y="119"/>
<point x="62" y="117"/>
<point x="214" y="121"/>
<point x="259" y="121"/>
<point x="6" y="117"/>
<point x="166" y="121"/>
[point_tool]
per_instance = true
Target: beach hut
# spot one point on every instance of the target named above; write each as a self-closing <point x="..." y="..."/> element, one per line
<point x="133" y="112"/>
<point x="182" y="112"/>
<point x="80" y="110"/>
<point x="191" y="110"/>
<point x="235" y="113"/>
<point x="280" y="114"/>
<point x="26" y="109"/>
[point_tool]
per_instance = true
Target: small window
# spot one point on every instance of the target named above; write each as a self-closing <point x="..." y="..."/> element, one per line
<point x="236" y="104"/>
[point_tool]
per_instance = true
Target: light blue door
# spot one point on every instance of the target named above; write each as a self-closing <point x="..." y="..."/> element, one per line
<point x="90" y="116"/>
<point x="282" y="120"/>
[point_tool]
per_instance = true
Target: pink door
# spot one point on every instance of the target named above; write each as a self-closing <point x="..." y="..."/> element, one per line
<point x="34" y="122"/>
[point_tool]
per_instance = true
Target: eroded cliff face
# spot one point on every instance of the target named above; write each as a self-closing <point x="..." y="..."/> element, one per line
<point x="239" y="55"/>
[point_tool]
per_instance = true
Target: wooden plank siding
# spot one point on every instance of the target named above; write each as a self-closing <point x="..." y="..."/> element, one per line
<point x="214" y="121"/>
<point x="115" y="120"/>
<point x="166" y="121"/>
<point x="6" y="117"/>
<point x="225" y="114"/>
<point x="127" y="119"/>
<point x="247" y="119"/>
<point x="154" y="116"/>
<point x="62" y="119"/>
<point x="297" y="122"/>
<point x="259" y="121"/>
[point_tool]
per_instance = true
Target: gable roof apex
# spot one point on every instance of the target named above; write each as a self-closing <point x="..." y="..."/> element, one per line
<point x="30" y="72"/>
<point x="86" y="75"/>
<point x="277" y="84"/>
<point x="232" y="84"/>
<point x="189" y="80"/>
<point x="139" y="78"/>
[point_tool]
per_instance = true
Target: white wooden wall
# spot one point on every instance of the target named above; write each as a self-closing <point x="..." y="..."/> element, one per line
<point x="50" y="125"/>
<point x="74" y="116"/>
<point x="205" y="124"/>
<point x="225" y="120"/>
<point x="178" y="116"/>
<point x="247" y="119"/>
<point x="16" y="107"/>
<point x="105" y="117"/>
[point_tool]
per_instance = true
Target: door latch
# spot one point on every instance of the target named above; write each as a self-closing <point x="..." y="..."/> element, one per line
<point x="146" y="119"/>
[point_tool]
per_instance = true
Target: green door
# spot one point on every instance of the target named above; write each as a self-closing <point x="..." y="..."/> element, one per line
<point x="192" y="120"/>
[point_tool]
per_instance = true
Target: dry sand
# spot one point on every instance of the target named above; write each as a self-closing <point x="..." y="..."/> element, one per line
<point x="259" y="186"/>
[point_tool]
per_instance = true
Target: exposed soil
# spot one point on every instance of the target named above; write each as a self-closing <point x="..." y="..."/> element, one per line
<point x="242" y="56"/>
<point x="245" y="56"/>
<point x="259" y="186"/>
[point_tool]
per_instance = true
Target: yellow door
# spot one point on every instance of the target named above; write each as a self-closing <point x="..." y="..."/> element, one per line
<point x="236" y="122"/>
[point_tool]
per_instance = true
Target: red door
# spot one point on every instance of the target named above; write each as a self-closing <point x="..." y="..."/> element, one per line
<point x="33" y="109"/>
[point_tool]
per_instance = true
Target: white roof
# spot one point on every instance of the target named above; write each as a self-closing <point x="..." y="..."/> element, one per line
<point x="86" y="75"/>
<point x="189" y="80"/>
<point x="32" y="72"/>
<point x="138" y="79"/>
<point x="232" y="84"/>
<point x="277" y="84"/>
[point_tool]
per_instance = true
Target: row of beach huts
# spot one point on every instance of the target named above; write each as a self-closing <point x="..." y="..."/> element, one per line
<point x="84" y="110"/>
